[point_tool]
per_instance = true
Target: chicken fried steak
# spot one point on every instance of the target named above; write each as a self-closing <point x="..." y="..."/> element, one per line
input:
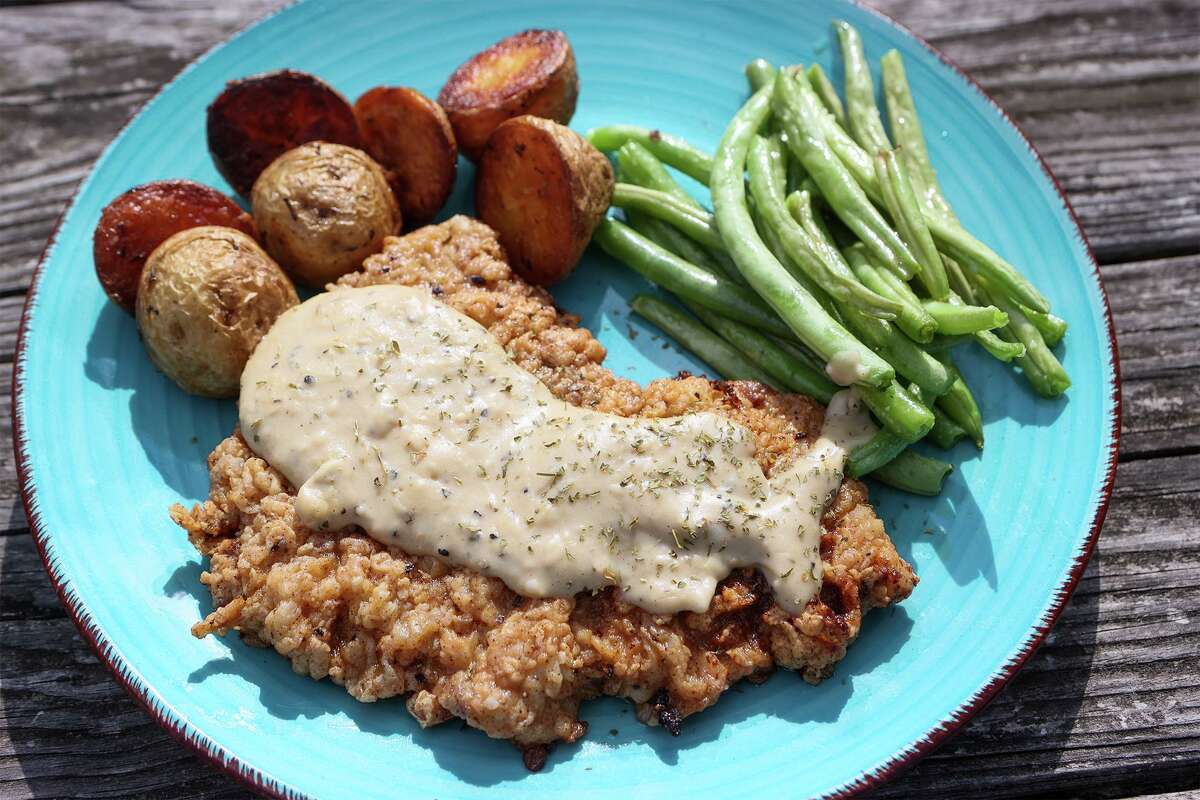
<point x="341" y="605"/>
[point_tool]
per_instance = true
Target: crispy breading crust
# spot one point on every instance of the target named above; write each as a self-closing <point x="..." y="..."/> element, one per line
<point x="381" y="623"/>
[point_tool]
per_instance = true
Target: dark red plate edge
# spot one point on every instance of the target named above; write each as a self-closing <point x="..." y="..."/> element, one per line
<point x="871" y="779"/>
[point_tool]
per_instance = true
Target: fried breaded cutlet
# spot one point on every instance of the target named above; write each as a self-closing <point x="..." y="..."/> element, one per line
<point x="458" y="644"/>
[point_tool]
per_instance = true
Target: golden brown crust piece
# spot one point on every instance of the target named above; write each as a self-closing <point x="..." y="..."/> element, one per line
<point x="543" y="188"/>
<point x="410" y="136"/>
<point x="532" y="72"/>
<point x="459" y="644"/>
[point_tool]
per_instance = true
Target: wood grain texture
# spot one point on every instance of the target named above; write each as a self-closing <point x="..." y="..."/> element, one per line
<point x="1109" y="91"/>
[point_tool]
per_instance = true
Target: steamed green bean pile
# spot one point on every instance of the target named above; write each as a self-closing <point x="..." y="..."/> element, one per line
<point x="831" y="257"/>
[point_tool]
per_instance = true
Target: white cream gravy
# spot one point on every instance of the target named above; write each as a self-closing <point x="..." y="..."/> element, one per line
<point x="391" y="411"/>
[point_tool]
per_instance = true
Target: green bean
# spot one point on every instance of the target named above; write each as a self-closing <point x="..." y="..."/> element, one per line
<point x="759" y="73"/>
<point x="912" y="318"/>
<point x="776" y="247"/>
<point x="865" y="125"/>
<point x="706" y="345"/>
<point x="901" y="202"/>
<point x="989" y="341"/>
<point x="671" y="150"/>
<point x="791" y="373"/>
<point x="959" y="404"/>
<point x="998" y="348"/>
<point x="894" y="408"/>
<point x="670" y="238"/>
<point x="659" y="265"/>
<point x="798" y="308"/>
<point x="874" y="453"/>
<point x="944" y="344"/>
<point x="955" y="241"/>
<point x="817" y="259"/>
<point x="957" y="318"/>
<point x="950" y="237"/>
<point x="795" y="176"/>
<point x="914" y="473"/>
<point x="958" y="281"/>
<point x="900" y="412"/>
<point x="695" y="223"/>
<point x="839" y="187"/>
<point x="1042" y="369"/>
<point x="907" y="358"/>
<point x="945" y="432"/>
<point x="1052" y="328"/>
<point x="826" y="93"/>
<point x="855" y="159"/>
<point x="906" y="128"/>
<point x="639" y="166"/>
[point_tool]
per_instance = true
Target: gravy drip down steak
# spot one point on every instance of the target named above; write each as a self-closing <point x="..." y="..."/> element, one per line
<point x="382" y="622"/>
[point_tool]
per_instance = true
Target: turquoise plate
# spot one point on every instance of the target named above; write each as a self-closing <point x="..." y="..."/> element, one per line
<point x="106" y="444"/>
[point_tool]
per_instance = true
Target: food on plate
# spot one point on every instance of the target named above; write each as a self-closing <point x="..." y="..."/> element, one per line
<point x="841" y="238"/>
<point x="354" y="605"/>
<point x="543" y="188"/>
<point x="144" y="217"/>
<point x="257" y="119"/>
<point x="207" y="296"/>
<point x="321" y="208"/>
<point x="532" y="72"/>
<point x="410" y="136"/>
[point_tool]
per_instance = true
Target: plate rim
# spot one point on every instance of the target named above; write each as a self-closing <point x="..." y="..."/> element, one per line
<point x="233" y="766"/>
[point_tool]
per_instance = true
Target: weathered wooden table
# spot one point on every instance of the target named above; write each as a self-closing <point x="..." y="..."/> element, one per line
<point x="1109" y="91"/>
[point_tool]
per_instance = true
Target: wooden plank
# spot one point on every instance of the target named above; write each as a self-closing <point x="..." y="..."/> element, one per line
<point x="1108" y="91"/>
<point x="71" y="75"/>
<point x="1156" y="309"/>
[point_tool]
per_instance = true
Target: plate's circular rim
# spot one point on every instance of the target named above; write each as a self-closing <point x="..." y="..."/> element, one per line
<point x="231" y="765"/>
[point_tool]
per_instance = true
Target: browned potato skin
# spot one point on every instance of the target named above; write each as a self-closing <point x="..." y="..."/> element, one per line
<point x="144" y="217"/>
<point x="410" y="136"/>
<point x="206" y="298"/>
<point x="532" y="72"/>
<point x="321" y="209"/>
<point x="543" y="188"/>
<point x="257" y="119"/>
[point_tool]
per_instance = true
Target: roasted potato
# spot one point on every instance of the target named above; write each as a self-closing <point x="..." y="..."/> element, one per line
<point x="207" y="295"/>
<point x="410" y="136"/>
<point x="543" y="188"/>
<point x="257" y="119"/>
<point x="532" y="72"/>
<point x="144" y="217"/>
<point x="321" y="209"/>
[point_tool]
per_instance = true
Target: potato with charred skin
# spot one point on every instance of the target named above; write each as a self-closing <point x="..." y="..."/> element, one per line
<point x="257" y="119"/>
<point x="144" y="217"/>
<point x="410" y="136"/>
<point x="206" y="298"/>
<point x="321" y="209"/>
<point x="532" y="72"/>
<point x="543" y="188"/>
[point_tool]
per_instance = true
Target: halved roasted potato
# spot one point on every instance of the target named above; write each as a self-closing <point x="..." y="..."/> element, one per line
<point x="532" y="72"/>
<point x="257" y="119"/>
<point x="410" y="136"/>
<point x="207" y="296"/>
<point x="543" y="188"/>
<point x="321" y="209"/>
<point x="141" y="219"/>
